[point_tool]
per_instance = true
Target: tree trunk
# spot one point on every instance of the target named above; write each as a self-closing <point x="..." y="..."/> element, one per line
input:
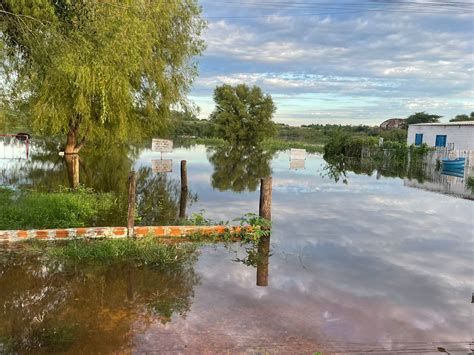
<point x="72" y="163"/>
<point x="71" y="142"/>
<point x="73" y="146"/>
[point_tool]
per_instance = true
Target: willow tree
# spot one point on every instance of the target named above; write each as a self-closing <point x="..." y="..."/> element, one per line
<point x="91" y="69"/>
<point x="243" y="114"/>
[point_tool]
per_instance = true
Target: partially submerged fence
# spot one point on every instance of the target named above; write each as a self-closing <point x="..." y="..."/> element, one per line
<point x="116" y="232"/>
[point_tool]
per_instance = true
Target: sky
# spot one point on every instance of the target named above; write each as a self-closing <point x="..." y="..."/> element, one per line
<point x="344" y="61"/>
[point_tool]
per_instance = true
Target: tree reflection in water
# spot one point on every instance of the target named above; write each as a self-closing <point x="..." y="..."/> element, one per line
<point x="106" y="169"/>
<point x="258" y="256"/>
<point x="239" y="167"/>
<point x="158" y="198"/>
<point x="50" y="306"/>
<point x="338" y="167"/>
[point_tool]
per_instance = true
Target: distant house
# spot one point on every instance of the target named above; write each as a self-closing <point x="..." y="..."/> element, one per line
<point x="452" y="135"/>
<point x="393" y="123"/>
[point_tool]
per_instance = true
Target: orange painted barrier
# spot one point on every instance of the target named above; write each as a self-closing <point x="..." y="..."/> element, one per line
<point x="114" y="232"/>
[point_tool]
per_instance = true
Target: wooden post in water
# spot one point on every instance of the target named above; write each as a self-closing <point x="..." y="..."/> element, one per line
<point x="132" y="185"/>
<point x="184" y="189"/>
<point x="263" y="261"/>
<point x="265" y="211"/>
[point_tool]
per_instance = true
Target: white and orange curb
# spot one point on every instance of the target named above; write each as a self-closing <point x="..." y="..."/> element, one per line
<point x="113" y="232"/>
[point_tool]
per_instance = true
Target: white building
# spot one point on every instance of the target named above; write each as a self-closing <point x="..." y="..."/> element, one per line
<point x="452" y="135"/>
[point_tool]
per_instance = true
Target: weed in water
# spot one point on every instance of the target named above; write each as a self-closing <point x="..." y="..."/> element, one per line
<point x="146" y="251"/>
<point x="56" y="338"/>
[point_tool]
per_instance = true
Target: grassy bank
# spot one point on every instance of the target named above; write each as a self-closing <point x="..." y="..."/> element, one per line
<point x="65" y="208"/>
<point x="273" y="145"/>
<point x="282" y="145"/>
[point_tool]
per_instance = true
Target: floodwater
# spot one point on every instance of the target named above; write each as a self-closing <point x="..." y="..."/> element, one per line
<point x="366" y="264"/>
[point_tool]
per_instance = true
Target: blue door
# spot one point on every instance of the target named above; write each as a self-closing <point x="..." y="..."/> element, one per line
<point x="419" y="139"/>
<point x="440" y="141"/>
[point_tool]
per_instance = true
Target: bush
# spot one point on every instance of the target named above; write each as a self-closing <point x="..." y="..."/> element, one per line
<point x="63" y="209"/>
<point x="343" y="144"/>
<point x="470" y="183"/>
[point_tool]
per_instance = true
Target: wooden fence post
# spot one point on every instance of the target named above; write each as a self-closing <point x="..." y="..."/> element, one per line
<point x="132" y="185"/>
<point x="265" y="209"/>
<point x="183" y="200"/>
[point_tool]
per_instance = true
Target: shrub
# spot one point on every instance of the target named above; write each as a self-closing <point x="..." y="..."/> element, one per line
<point x="343" y="144"/>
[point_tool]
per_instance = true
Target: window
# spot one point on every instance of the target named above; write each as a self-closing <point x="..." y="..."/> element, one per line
<point x="419" y="139"/>
<point x="440" y="141"/>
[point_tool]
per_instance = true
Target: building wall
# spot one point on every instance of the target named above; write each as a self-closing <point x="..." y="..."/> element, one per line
<point x="461" y="135"/>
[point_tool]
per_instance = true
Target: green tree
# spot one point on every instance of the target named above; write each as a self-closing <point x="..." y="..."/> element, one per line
<point x="462" y="118"/>
<point x="95" y="70"/>
<point x="422" y="117"/>
<point x="243" y="114"/>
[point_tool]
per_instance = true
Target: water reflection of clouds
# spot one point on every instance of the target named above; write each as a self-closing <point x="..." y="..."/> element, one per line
<point x="380" y="259"/>
<point x="371" y="261"/>
<point x="317" y="305"/>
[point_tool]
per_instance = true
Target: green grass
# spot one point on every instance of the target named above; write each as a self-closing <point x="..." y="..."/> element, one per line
<point x="146" y="251"/>
<point x="269" y="144"/>
<point x="280" y="145"/>
<point x="63" y="209"/>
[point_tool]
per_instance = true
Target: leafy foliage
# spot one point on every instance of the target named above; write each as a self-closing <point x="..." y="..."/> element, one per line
<point x="422" y="117"/>
<point x="96" y="70"/>
<point x="462" y="118"/>
<point x="343" y="144"/>
<point x="470" y="183"/>
<point x="243" y="114"/>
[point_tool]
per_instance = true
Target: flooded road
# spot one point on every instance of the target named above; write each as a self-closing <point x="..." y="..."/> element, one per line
<point x="370" y="265"/>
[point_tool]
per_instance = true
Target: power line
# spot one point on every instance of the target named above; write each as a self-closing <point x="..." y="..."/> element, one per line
<point x="304" y="8"/>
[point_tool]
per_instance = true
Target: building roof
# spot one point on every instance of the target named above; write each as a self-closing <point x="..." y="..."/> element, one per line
<point x="461" y="123"/>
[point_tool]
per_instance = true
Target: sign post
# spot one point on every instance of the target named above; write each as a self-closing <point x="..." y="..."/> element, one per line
<point x="297" y="154"/>
<point x="162" y="146"/>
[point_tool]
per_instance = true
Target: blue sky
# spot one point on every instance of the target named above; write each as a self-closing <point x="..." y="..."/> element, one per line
<point x="347" y="62"/>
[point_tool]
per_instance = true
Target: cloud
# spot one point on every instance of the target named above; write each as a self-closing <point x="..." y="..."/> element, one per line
<point x="397" y="58"/>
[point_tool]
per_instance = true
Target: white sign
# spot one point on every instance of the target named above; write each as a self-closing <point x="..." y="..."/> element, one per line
<point x="297" y="164"/>
<point x="297" y="154"/>
<point x="380" y="141"/>
<point x="162" y="166"/>
<point x="162" y="145"/>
